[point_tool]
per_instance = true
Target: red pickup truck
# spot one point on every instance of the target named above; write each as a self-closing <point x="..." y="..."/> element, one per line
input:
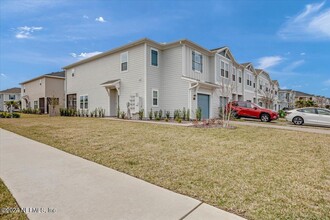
<point x="250" y="110"/>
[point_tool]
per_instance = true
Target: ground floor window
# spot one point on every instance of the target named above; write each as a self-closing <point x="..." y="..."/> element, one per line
<point x="223" y="101"/>
<point x="84" y="102"/>
<point x="155" y="97"/>
<point x="35" y="104"/>
<point x="72" y="101"/>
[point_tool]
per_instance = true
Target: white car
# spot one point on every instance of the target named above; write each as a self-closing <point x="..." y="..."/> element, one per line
<point x="310" y="115"/>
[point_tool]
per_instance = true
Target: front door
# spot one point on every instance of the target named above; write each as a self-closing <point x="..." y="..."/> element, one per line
<point x="113" y="102"/>
<point x="203" y="102"/>
<point x="42" y="105"/>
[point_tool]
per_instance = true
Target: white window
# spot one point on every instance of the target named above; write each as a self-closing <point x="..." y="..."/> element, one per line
<point x="234" y="74"/>
<point x="239" y="76"/>
<point x="226" y="70"/>
<point x="155" y="97"/>
<point x="35" y="104"/>
<point x="222" y="67"/>
<point x="11" y="97"/>
<point x="124" y="62"/>
<point x="197" y="61"/>
<point x="154" y="57"/>
<point x="84" y="102"/>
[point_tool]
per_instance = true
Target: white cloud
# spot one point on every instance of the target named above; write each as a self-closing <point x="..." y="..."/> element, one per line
<point x="3" y="75"/>
<point x="269" y="61"/>
<point x="302" y="54"/>
<point x="312" y="23"/>
<point x="100" y="19"/>
<point x="25" y="32"/>
<point x="327" y="82"/>
<point x="86" y="17"/>
<point x="293" y="65"/>
<point x="84" y="55"/>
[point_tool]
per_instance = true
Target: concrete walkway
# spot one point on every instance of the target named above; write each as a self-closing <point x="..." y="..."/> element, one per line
<point x="51" y="184"/>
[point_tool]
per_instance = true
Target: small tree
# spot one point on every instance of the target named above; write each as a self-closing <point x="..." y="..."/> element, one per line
<point x="268" y="97"/>
<point x="226" y="90"/>
<point x="53" y="102"/>
<point x="11" y="105"/>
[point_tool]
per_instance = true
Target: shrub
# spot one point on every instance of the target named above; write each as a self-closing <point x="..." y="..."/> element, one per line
<point x="199" y="113"/>
<point x="141" y="112"/>
<point x="166" y="119"/>
<point x="179" y="120"/>
<point x="16" y="115"/>
<point x="160" y="114"/>
<point x="188" y="115"/>
<point x="156" y="114"/>
<point x="122" y="115"/>
<point x="167" y="114"/>
<point x="177" y="114"/>
<point x="281" y="113"/>
<point x="9" y="115"/>
<point x="184" y="113"/>
<point x="150" y="114"/>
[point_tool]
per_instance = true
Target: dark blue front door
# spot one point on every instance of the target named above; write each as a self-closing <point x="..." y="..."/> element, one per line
<point x="203" y="102"/>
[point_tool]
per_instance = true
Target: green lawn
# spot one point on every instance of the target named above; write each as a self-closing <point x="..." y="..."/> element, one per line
<point x="258" y="173"/>
<point x="8" y="201"/>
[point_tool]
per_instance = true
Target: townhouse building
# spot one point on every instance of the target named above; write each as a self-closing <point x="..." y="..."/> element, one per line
<point x="12" y="94"/>
<point x="160" y="76"/>
<point x="36" y="93"/>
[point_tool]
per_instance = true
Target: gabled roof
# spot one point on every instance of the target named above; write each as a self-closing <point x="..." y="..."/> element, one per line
<point x="298" y="93"/>
<point x="225" y="51"/>
<point x="275" y="82"/>
<point x="161" y="46"/>
<point x="261" y="71"/>
<point x="58" y="75"/>
<point x="249" y="66"/>
<point x="11" y="90"/>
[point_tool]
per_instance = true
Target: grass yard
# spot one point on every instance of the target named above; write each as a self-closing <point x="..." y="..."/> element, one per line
<point x="257" y="173"/>
<point x="8" y="201"/>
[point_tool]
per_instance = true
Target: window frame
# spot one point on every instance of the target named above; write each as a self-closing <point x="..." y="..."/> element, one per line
<point x="83" y="103"/>
<point x="152" y="97"/>
<point x="193" y="61"/>
<point x="35" y="103"/>
<point x="153" y="49"/>
<point x="121" y="62"/>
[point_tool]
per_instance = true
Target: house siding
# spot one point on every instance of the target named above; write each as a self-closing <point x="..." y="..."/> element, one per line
<point x="88" y="77"/>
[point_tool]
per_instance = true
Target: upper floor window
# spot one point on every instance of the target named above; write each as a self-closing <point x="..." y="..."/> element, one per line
<point x="197" y="61"/>
<point x="123" y="61"/>
<point x="155" y="97"/>
<point x="154" y="57"/>
<point x="227" y="70"/>
<point x="239" y="76"/>
<point x="11" y="97"/>
<point x="222" y="68"/>
<point x="234" y="74"/>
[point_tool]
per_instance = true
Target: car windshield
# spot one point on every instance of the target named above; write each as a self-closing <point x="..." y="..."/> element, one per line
<point x="255" y="105"/>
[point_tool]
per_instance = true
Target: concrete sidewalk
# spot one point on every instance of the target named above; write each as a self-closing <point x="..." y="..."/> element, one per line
<point x="52" y="184"/>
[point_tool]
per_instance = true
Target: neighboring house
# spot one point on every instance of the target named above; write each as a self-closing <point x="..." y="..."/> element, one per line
<point x="168" y="76"/>
<point x="13" y="94"/>
<point x="302" y="96"/>
<point x="265" y="91"/>
<point x="286" y="98"/>
<point x="37" y="92"/>
<point x="249" y="83"/>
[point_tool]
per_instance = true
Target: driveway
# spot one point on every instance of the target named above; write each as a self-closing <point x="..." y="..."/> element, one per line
<point x="51" y="184"/>
<point x="317" y="130"/>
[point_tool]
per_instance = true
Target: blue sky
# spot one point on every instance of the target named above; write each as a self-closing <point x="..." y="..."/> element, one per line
<point x="290" y="39"/>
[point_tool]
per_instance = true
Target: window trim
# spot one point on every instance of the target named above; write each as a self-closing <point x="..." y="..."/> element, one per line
<point x="152" y="97"/>
<point x="154" y="49"/>
<point x="194" y="52"/>
<point x="121" y="62"/>
<point x="83" y="102"/>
